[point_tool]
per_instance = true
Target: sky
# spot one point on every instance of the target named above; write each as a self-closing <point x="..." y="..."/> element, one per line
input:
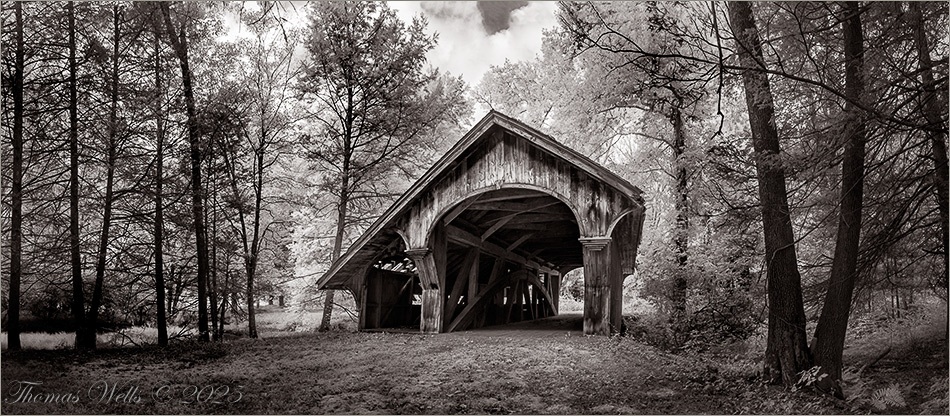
<point x="473" y="36"/>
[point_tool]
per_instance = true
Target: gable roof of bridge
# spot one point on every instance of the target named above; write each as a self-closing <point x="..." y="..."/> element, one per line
<point x="378" y="236"/>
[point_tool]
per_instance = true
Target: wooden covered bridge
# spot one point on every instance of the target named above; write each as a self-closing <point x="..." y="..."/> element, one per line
<point x="486" y="234"/>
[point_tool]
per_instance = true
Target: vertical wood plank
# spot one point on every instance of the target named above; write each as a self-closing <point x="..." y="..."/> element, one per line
<point x="363" y="311"/>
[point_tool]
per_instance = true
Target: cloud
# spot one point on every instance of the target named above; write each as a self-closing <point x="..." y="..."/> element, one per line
<point x="466" y="48"/>
<point x="496" y="15"/>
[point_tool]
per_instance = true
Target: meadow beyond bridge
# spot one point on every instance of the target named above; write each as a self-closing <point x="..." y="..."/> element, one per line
<point x="485" y="236"/>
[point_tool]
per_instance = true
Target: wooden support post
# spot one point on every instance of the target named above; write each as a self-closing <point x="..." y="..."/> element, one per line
<point x="514" y="297"/>
<point x="473" y="278"/>
<point x="430" y="262"/>
<point x="536" y="302"/>
<point x="524" y="301"/>
<point x="362" y="300"/>
<point x="529" y="297"/>
<point x="539" y="291"/>
<point x="596" y="285"/>
<point x="615" y="274"/>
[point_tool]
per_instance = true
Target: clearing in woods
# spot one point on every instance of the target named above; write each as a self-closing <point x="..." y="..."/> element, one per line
<point x="543" y="367"/>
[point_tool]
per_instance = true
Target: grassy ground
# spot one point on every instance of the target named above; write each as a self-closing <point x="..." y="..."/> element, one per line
<point x="347" y="372"/>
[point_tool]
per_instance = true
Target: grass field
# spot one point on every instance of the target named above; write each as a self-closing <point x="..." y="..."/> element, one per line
<point x="348" y="372"/>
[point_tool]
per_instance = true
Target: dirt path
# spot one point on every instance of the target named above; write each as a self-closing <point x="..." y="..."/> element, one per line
<point x="529" y="368"/>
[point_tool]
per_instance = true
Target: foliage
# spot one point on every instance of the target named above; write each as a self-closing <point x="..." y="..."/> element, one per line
<point x="247" y="105"/>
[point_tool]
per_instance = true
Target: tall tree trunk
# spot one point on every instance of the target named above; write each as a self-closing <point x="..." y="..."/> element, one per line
<point x="828" y="345"/>
<point x="249" y="247"/>
<point x="179" y="41"/>
<point x="936" y="131"/>
<point x="223" y="307"/>
<point x="337" y="247"/>
<point x="16" y="215"/>
<point x="159" y="219"/>
<point x="93" y="315"/>
<point x="212" y="204"/>
<point x="681" y="232"/>
<point x="78" y="304"/>
<point x="252" y="257"/>
<point x="344" y="202"/>
<point x="337" y="243"/>
<point x="787" y="351"/>
<point x="250" y="266"/>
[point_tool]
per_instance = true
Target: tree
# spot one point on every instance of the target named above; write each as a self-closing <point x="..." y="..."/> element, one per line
<point x="179" y="41"/>
<point x="88" y="340"/>
<point x="936" y="129"/>
<point x="269" y="84"/>
<point x="828" y="344"/>
<point x="375" y="101"/>
<point x="16" y="220"/>
<point x="786" y="351"/>
<point x="638" y="51"/>
<point x="564" y="95"/>
<point x="159" y="226"/>
<point x="83" y="333"/>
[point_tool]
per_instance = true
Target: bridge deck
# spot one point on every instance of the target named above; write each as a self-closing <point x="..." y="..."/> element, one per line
<point x="565" y="324"/>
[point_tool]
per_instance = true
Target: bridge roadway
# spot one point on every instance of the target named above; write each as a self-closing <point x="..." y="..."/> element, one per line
<point x="565" y="324"/>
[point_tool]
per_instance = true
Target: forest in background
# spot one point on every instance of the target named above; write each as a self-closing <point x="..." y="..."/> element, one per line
<point x="206" y="156"/>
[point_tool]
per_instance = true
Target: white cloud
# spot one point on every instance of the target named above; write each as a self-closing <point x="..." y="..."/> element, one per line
<point x="465" y="48"/>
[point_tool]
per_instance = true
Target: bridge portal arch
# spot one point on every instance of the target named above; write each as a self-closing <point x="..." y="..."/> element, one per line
<point x="513" y="200"/>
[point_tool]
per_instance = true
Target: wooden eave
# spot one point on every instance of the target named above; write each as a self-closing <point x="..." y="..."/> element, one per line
<point x="380" y="234"/>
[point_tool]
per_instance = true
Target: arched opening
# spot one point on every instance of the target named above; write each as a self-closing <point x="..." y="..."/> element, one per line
<point x="504" y="250"/>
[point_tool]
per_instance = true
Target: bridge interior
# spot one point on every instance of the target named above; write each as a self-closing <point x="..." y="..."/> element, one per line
<point x="505" y="251"/>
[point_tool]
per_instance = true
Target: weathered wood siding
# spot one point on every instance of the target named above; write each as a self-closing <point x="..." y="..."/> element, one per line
<point x="507" y="161"/>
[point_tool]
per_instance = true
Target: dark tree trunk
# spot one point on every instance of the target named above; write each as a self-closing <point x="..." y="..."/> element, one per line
<point x="250" y="247"/>
<point x="337" y="248"/>
<point x="212" y="204"/>
<point x="16" y="191"/>
<point x="159" y="219"/>
<point x="93" y="315"/>
<point x="828" y="345"/>
<point x="78" y="304"/>
<point x="252" y="257"/>
<point x="224" y="303"/>
<point x="342" y="208"/>
<point x="681" y="232"/>
<point x="249" y="267"/>
<point x="179" y="41"/>
<point x="213" y="282"/>
<point x="787" y="351"/>
<point x="936" y="131"/>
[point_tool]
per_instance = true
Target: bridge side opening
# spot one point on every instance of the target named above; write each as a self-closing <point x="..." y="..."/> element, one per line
<point x="393" y="295"/>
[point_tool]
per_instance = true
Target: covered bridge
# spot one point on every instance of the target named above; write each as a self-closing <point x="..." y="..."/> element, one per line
<point x="486" y="234"/>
